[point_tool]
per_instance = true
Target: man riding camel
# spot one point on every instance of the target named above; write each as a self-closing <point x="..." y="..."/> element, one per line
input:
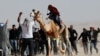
<point x="54" y="15"/>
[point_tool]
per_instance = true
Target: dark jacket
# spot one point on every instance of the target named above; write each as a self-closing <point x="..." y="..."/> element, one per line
<point x="13" y="34"/>
<point x="42" y="34"/>
<point x="84" y="36"/>
<point x="95" y="34"/>
<point x="53" y="13"/>
<point x="73" y="34"/>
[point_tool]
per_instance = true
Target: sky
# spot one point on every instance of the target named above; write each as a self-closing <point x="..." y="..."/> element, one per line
<point x="71" y="11"/>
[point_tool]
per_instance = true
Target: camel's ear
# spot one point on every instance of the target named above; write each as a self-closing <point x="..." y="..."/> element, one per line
<point x="37" y="13"/>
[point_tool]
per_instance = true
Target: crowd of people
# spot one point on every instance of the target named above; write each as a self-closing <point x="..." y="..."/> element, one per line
<point x="26" y="39"/>
<point x="39" y="42"/>
<point x="87" y="37"/>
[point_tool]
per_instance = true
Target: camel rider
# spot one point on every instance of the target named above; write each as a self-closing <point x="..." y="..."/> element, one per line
<point x="54" y="15"/>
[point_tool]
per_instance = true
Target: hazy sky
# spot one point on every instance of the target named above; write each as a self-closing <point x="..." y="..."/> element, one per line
<point x="72" y="11"/>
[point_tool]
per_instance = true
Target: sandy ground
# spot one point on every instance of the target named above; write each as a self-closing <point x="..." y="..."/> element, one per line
<point x="80" y="52"/>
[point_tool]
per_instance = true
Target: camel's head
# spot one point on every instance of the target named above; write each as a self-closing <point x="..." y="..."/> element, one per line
<point x="32" y="13"/>
<point x="35" y="14"/>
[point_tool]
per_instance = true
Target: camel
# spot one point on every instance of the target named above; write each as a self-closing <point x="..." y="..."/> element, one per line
<point x="52" y="30"/>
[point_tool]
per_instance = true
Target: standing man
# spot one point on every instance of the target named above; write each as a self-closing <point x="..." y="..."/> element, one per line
<point x="93" y="38"/>
<point x="27" y="34"/>
<point x="13" y="39"/>
<point x="72" y="37"/>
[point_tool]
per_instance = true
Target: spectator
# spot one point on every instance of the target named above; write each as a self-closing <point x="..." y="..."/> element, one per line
<point x="85" y="37"/>
<point x="93" y="38"/>
<point x="13" y="39"/>
<point x="72" y="37"/>
<point x="27" y="35"/>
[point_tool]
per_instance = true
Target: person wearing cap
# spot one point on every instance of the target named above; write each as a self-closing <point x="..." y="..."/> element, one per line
<point x="27" y="34"/>
<point x="54" y="15"/>
<point x="93" y="34"/>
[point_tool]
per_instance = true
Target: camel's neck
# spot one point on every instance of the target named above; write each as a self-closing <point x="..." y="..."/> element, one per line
<point x="42" y="24"/>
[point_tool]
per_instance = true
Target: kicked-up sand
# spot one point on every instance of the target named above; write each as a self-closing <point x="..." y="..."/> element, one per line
<point x="80" y="51"/>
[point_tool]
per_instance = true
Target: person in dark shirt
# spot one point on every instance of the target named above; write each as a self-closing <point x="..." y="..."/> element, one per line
<point x="72" y="37"/>
<point x="54" y="15"/>
<point x="44" y="40"/>
<point x="85" y="37"/>
<point x="13" y="39"/>
<point x="93" y="38"/>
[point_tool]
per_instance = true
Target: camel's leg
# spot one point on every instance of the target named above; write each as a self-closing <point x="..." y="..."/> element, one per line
<point x="70" y="47"/>
<point x="64" y="47"/>
<point x="63" y="27"/>
<point x="49" y="47"/>
<point x="60" y="49"/>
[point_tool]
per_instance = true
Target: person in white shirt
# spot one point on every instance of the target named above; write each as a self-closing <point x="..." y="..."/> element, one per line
<point x="27" y="34"/>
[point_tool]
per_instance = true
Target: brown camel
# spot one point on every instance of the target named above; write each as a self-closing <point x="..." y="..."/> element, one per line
<point x="52" y="30"/>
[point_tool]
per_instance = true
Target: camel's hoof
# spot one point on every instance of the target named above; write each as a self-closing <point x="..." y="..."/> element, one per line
<point x="63" y="52"/>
